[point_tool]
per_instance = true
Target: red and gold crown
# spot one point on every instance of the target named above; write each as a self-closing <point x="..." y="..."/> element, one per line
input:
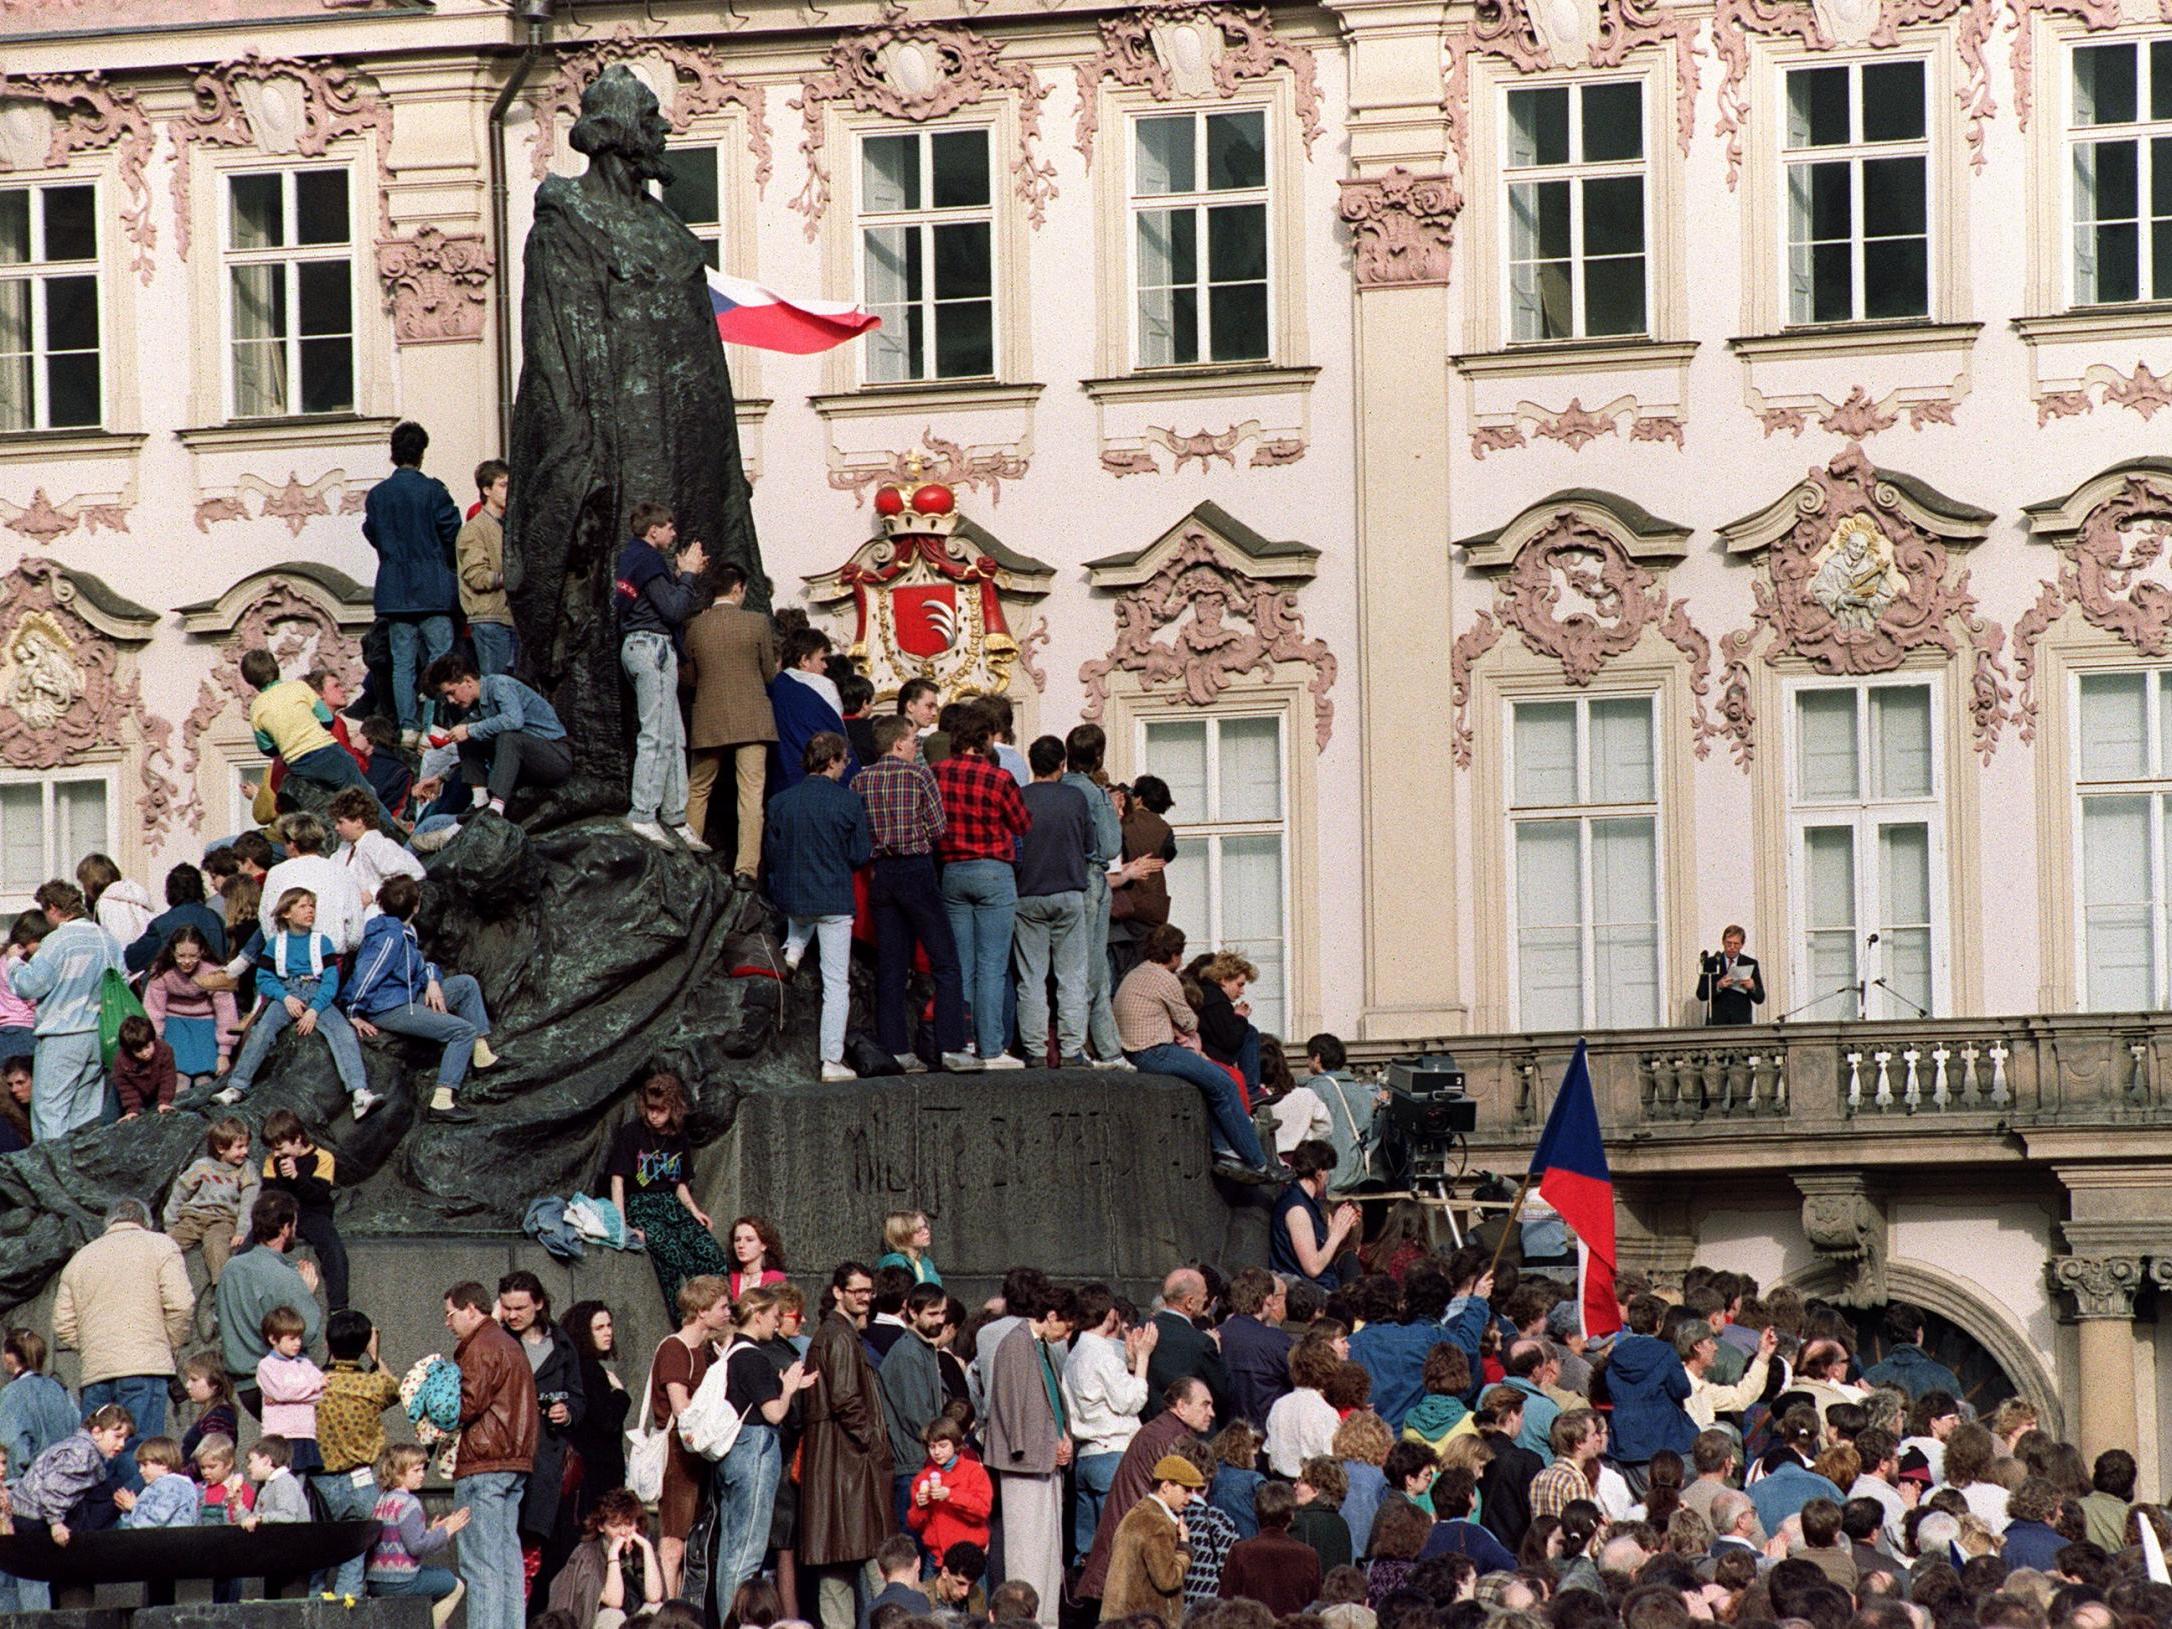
<point x="914" y="507"/>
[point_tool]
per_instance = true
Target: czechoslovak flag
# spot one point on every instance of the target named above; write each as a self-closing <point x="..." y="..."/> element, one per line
<point x="749" y="314"/>
<point x="1572" y="1176"/>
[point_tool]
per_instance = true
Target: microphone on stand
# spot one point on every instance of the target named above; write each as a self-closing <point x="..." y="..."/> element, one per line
<point x="1861" y="983"/>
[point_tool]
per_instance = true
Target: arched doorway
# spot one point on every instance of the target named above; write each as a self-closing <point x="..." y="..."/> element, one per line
<point x="1984" y="1384"/>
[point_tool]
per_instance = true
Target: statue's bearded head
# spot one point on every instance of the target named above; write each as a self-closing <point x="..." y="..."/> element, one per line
<point x="620" y="116"/>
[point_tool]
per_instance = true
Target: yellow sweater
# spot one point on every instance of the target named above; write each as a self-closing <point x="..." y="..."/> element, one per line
<point x="285" y="719"/>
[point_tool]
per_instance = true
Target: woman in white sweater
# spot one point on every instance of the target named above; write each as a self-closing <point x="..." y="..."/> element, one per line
<point x="1302" y="1422"/>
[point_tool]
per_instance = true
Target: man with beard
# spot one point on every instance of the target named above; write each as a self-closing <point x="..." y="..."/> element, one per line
<point x="845" y="1493"/>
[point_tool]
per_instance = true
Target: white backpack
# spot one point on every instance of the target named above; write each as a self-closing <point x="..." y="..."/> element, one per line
<point x="647" y="1448"/>
<point x="708" y="1426"/>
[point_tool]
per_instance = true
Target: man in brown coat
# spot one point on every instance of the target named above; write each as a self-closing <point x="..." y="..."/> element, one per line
<point x="499" y="1422"/>
<point x="844" y="1488"/>
<point x="731" y="655"/>
<point x="1187" y="1411"/>
<point x="1152" y="1549"/>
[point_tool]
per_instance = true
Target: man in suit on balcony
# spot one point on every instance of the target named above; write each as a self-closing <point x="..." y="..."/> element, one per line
<point x="1730" y="984"/>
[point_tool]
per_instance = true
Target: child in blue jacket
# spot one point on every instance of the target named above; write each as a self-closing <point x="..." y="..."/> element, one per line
<point x="397" y="988"/>
<point x="298" y="977"/>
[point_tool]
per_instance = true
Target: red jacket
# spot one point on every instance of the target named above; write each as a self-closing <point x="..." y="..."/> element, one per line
<point x="960" y="1519"/>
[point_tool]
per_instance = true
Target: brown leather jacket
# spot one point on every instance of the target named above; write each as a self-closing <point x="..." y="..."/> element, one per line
<point x="498" y="1414"/>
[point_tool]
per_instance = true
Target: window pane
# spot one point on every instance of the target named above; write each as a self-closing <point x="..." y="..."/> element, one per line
<point x="258" y="211"/>
<point x="1237" y="243"/>
<point x="1549" y="954"/>
<point x="327" y="375"/>
<point x="15" y="228"/>
<point x="1613" y="123"/>
<point x="1621" y="750"/>
<point x="1625" y="922"/>
<point x="1893" y="197"/>
<point x="1614" y="215"/>
<point x="1539" y="221"/>
<point x="1187" y="878"/>
<point x="964" y="339"/>
<point x="1825" y="722"/>
<point x="2104" y="88"/>
<point x="2117" y="900"/>
<point x="1544" y="749"/>
<point x="691" y="190"/>
<point x="889" y="173"/>
<point x="1250" y="751"/>
<point x="18" y="369"/>
<point x="71" y="223"/>
<point x="962" y="263"/>
<point x="260" y="320"/>
<point x="1236" y="150"/>
<point x="71" y="313"/>
<point x="320" y="206"/>
<point x="79" y="810"/>
<point x="1817" y="107"/>
<point x="2160" y="79"/>
<point x="1178" y="754"/>
<point x="1541" y="300"/>
<point x="960" y="162"/>
<point x="1893" y="101"/>
<point x="1251" y="921"/>
<point x="1239" y="319"/>
<point x="1904" y="876"/>
<point x="1905" y="965"/>
<point x="1538" y="126"/>
<point x="1829" y="872"/>
<point x="2114" y="726"/>
<point x="1896" y="278"/>
<point x="22" y="838"/>
<point x="1900" y="733"/>
<point x="327" y="293"/>
<point x="1614" y="296"/>
<point x="73" y="395"/>
<point x="1166" y="159"/>
<point x="890" y="265"/>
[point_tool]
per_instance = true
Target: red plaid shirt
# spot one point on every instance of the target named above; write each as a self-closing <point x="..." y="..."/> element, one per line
<point x="903" y="812"/>
<point x="983" y="814"/>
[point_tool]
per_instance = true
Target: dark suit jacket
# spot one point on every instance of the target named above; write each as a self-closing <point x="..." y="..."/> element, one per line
<point x="1184" y="1350"/>
<point x="1734" y="1006"/>
<point x="1504" y="1490"/>
<point x="1257" y="1360"/>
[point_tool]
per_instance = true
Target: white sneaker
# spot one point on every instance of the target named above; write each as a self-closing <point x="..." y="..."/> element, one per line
<point x="1114" y="1063"/>
<point x="410" y="739"/>
<point x="441" y="1100"/>
<point x="911" y="1064"/>
<point x="649" y="829"/>
<point x="364" y="1101"/>
<point x="791" y="965"/>
<point x="837" y="1071"/>
<point x="1002" y="1060"/>
<point x="232" y="1095"/>
<point x="961" y="1063"/>
<point x="691" y="838"/>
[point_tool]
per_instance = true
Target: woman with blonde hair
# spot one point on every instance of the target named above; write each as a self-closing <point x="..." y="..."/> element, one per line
<point x="1226" y="1032"/>
<point x="121" y="905"/>
<point x="675" y="1374"/>
<point x="905" y="1237"/>
<point x="1362" y="1442"/>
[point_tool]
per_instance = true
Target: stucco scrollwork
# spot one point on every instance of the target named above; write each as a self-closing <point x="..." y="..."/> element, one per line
<point x="1183" y="50"/>
<point x="1401" y="227"/>
<point x="1221" y="625"/>
<point x="2115" y="570"/>
<point x="950" y="463"/>
<point x="699" y="85"/>
<point x="921" y="71"/>
<point x="46" y="119"/>
<point x="1858" y="577"/>
<point x="2102" y="1286"/>
<point x="439" y="286"/>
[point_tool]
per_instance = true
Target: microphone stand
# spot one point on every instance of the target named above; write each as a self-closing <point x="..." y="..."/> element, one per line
<point x="1881" y="984"/>
<point x="1855" y="990"/>
<point x="1708" y="976"/>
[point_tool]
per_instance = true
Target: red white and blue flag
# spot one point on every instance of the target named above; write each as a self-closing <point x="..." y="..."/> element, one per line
<point x="749" y="314"/>
<point x="1571" y="1173"/>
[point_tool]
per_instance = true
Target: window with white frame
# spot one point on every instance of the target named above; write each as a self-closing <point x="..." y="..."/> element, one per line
<point x="47" y="824"/>
<point x="692" y="193"/>
<point x="2123" y="785"/>
<point x="1584" y="862"/>
<point x="49" y="367"/>
<point x="1575" y="199"/>
<point x="2121" y="142"/>
<point x="1869" y="841"/>
<point x="1229" y="883"/>
<point x="1199" y="237"/>
<point x="927" y="254"/>
<point x="290" y="280"/>
<point x="1858" y="192"/>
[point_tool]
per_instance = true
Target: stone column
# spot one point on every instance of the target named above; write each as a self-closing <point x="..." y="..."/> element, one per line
<point x="2103" y="1289"/>
<point x="1400" y="206"/>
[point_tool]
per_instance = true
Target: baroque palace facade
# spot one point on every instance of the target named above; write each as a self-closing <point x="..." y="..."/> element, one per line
<point x="1541" y="482"/>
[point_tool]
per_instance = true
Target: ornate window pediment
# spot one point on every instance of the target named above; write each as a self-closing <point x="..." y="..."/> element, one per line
<point x="1573" y="577"/>
<point x="1203" y="605"/>
<point x="1858" y="576"/>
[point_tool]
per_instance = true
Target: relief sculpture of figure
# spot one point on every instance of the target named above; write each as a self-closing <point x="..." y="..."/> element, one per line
<point x="624" y="396"/>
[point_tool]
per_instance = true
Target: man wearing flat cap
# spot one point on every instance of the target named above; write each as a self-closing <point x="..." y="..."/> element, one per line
<point x="1153" y="1548"/>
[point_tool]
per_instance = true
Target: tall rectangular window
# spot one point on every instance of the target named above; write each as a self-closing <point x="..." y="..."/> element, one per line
<point x="1229" y="883"/>
<point x="2121" y="145"/>
<point x="47" y="823"/>
<point x="290" y="279"/>
<point x="1575" y="180"/>
<point x="1199" y="234"/>
<point x="691" y="192"/>
<point x="927" y="254"/>
<point x="2123" y="786"/>
<point x="1858" y="193"/>
<point x="1869" y="836"/>
<point x="49" y="369"/>
<point x="1584" y="840"/>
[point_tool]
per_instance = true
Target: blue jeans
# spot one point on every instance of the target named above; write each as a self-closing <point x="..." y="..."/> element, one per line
<point x="431" y="1583"/>
<point x="908" y="906"/>
<point x="659" y="769"/>
<point x="981" y="898"/>
<point x="68" y="1086"/>
<point x="331" y="1024"/>
<point x="423" y="637"/>
<point x="746" y="1490"/>
<point x="1096" y="1475"/>
<point x="144" y="1396"/>
<point x="1051" y="931"/>
<point x="1100" y="1009"/>
<point x="495" y="647"/>
<point x="490" y="1548"/>
<point x="345" y="1501"/>
<point x="456" y="1028"/>
<point x="1229" y="1125"/>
